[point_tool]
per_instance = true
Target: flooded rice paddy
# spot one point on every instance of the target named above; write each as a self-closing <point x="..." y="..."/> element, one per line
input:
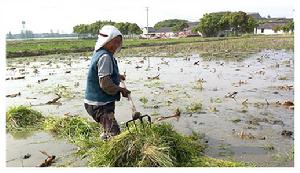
<point x="241" y="107"/>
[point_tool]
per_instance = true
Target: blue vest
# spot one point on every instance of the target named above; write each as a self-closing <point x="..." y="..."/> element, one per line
<point x="93" y="90"/>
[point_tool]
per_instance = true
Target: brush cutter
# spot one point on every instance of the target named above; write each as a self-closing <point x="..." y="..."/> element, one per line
<point x="135" y="114"/>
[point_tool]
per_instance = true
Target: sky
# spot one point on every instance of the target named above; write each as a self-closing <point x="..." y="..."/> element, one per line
<point x="61" y="15"/>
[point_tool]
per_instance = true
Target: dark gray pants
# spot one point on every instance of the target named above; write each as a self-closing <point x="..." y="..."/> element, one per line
<point x="105" y="115"/>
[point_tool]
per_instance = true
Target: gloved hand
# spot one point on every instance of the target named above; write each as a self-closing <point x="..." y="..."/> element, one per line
<point x="124" y="92"/>
<point x="122" y="77"/>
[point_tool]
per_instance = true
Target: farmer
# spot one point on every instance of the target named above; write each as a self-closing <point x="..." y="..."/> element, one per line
<point x="103" y="79"/>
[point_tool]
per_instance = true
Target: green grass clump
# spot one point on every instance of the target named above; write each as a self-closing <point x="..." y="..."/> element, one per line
<point x="22" y="118"/>
<point x="158" y="145"/>
<point x="72" y="128"/>
<point x="144" y="100"/>
<point x="206" y="161"/>
<point x="194" y="107"/>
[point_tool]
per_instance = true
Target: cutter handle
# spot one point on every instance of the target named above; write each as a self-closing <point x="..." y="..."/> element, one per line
<point x="129" y="98"/>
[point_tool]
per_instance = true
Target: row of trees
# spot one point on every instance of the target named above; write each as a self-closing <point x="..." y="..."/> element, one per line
<point x="286" y="28"/>
<point x="125" y="28"/>
<point x="210" y="25"/>
<point x="213" y="24"/>
<point x="175" y="24"/>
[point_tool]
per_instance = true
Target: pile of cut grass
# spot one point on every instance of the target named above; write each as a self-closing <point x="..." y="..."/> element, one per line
<point x="158" y="145"/>
<point x="23" y="118"/>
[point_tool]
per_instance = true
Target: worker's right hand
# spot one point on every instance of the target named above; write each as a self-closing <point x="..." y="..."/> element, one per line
<point x="125" y="92"/>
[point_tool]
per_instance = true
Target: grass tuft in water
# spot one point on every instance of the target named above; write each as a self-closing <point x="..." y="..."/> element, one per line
<point x="72" y="128"/>
<point x="23" y="118"/>
<point x="194" y="107"/>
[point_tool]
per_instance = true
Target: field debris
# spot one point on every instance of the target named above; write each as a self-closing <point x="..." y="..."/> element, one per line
<point x="197" y="63"/>
<point x="48" y="161"/>
<point x="287" y="133"/>
<point x="27" y="156"/>
<point x="199" y="84"/>
<point x="13" y="95"/>
<point x="175" y="115"/>
<point x="288" y="104"/>
<point x="137" y="66"/>
<point x="15" y="78"/>
<point x="286" y="87"/>
<point x="194" y="107"/>
<point x="164" y="61"/>
<point x="42" y="80"/>
<point x="154" y="77"/>
<point x="245" y="102"/>
<point x="54" y="101"/>
<point x="31" y="98"/>
<point x="243" y="135"/>
<point x="239" y="83"/>
<point x="35" y="71"/>
<point x="76" y="84"/>
<point x="231" y="95"/>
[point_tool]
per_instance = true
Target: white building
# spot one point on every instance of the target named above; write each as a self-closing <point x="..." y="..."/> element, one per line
<point x="148" y="30"/>
<point x="164" y="32"/>
<point x="268" y="28"/>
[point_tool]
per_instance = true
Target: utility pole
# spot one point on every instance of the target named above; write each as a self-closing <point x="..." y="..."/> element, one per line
<point x="147" y="9"/>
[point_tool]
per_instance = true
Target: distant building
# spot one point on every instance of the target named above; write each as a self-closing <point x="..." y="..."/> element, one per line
<point x="167" y="32"/>
<point x="148" y="32"/>
<point x="188" y="32"/>
<point x="164" y="32"/>
<point x="268" y="28"/>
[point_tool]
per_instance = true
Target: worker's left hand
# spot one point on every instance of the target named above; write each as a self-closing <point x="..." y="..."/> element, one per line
<point x="125" y="92"/>
<point x="122" y="77"/>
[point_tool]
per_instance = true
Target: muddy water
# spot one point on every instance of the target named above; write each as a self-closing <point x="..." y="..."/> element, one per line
<point x="20" y="146"/>
<point x="226" y="122"/>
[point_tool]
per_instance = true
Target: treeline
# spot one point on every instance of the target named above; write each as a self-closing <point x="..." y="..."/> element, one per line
<point x="175" y="24"/>
<point x="210" y="25"/>
<point x="285" y="28"/>
<point x="126" y="28"/>
<point x="214" y="24"/>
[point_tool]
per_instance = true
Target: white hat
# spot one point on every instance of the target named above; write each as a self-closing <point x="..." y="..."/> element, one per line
<point x="106" y="34"/>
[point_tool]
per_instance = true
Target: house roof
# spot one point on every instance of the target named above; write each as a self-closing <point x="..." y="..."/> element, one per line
<point x="255" y="15"/>
<point x="270" y="25"/>
<point x="164" y="29"/>
<point x="150" y="29"/>
<point x="192" y="24"/>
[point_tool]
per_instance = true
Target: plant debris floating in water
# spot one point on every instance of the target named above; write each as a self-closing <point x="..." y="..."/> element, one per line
<point x="287" y="133"/>
<point x="194" y="107"/>
<point x="16" y="78"/>
<point x="13" y="95"/>
<point x="154" y="77"/>
<point x="175" y="115"/>
<point x="53" y="101"/>
<point x="48" y="161"/>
